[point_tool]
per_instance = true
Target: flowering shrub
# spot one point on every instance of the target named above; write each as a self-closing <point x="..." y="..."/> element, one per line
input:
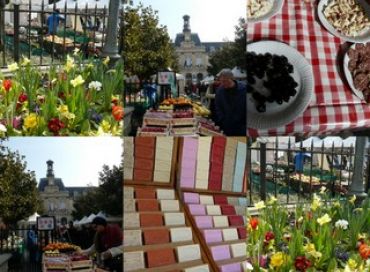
<point x="73" y="99"/>
<point x="323" y="235"/>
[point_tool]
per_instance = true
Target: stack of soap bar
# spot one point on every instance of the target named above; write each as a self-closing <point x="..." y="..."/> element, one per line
<point x="188" y="162"/>
<point x="229" y="164"/>
<point x="217" y="160"/>
<point x="144" y="159"/>
<point x="239" y="174"/>
<point x="163" y="159"/>
<point x="203" y="156"/>
<point x="128" y="158"/>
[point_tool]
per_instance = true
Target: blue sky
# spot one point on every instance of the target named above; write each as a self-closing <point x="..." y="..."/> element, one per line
<point x="77" y="160"/>
<point x="213" y="20"/>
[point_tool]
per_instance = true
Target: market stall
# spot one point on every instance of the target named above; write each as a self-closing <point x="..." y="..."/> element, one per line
<point x="177" y="117"/>
<point x="297" y="37"/>
<point x="184" y="203"/>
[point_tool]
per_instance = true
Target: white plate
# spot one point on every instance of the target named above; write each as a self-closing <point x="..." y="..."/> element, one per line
<point x="362" y="38"/>
<point x="348" y="75"/>
<point x="276" y="7"/>
<point x="279" y="115"/>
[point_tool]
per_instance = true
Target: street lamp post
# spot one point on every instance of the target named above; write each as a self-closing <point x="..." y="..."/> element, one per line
<point x="357" y="187"/>
<point x="110" y="48"/>
<point x="16" y="4"/>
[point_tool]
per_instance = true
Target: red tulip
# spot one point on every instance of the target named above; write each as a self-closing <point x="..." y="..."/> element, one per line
<point x="22" y="98"/>
<point x="269" y="236"/>
<point x="55" y="125"/>
<point x="253" y="222"/>
<point x="117" y="112"/>
<point x="302" y="263"/>
<point x="7" y="84"/>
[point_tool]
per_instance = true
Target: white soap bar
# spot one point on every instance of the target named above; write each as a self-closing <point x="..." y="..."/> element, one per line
<point x="128" y="192"/>
<point x="213" y="210"/>
<point x="133" y="260"/>
<point x="202" y="174"/>
<point x="200" y="268"/>
<point x="241" y="210"/>
<point x="230" y="234"/>
<point x="188" y="253"/>
<point x="232" y="200"/>
<point x="170" y="205"/>
<point x="131" y="220"/>
<point x="206" y="200"/>
<point x="238" y="250"/>
<point x="129" y="205"/>
<point x="164" y="142"/>
<point x="132" y="238"/>
<point x="181" y="234"/>
<point x="220" y="221"/>
<point x="162" y="176"/>
<point x="201" y="183"/>
<point x="174" y="219"/>
<point x="165" y="194"/>
<point x="163" y="166"/>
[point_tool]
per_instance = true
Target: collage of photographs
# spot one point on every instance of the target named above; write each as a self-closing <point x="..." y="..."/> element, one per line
<point x="187" y="136"/>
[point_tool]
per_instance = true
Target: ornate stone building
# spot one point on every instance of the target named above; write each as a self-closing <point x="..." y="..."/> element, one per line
<point x="193" y="54"/>
<point x="58" y="200"/>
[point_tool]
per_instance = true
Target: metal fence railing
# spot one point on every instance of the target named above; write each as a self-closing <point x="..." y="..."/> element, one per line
<point x="26" y="30"/>
<point x="272" y="170"/>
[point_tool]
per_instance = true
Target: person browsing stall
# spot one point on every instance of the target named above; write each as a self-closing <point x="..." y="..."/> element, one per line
<point x="108" y="243"/>
<point x="53" y="22"/>
<point x="230" y="105"/>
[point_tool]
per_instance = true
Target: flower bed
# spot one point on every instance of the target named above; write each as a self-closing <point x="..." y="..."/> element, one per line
<point x="321" y="236"/>
<point x="72" y="99"/>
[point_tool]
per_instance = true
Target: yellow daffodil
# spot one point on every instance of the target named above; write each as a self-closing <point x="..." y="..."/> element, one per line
<point x="90" y="65"/>
<point x="69" y="115"/>
<point x="300" y="219"/>
<point x="322" y="190"/>
<point x="278" y="259"/>
<point x="63" y="108"/>
<point x="70" y="63"/>
<point x="352" y="199"/>
<point x="361" y="236"/>
<point x="352" y="264"/>
<point x="260" y="205"/>
<point x="25" y="61"/>
<point x="359" y="210"/>
<point x="105" y="125"/>
<point x="30" y="121"/>
<point x="315" y="205"/>
<point x="309" y="247"/>
<point x="77" y="81"/>
<point x="336" y="204"/>
<point x="13" y="67"/>
<point x="106" y="60"/>
<point x="324" y="219"/>
<point x="272" y="200"/>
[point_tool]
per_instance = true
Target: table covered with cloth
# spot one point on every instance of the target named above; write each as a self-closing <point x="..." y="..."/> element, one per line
<point x="334" y="107"/>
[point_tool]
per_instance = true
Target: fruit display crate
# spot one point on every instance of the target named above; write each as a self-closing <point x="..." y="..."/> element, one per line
<point x="64" y="262"/>
<point x="183" y="122"/>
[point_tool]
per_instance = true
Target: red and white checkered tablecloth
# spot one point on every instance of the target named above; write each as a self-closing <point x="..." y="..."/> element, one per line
<point x="334" y="106"/>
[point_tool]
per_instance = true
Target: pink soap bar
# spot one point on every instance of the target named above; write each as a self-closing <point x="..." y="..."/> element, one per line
<point x="220" y="252"/>
<point x="190" y="144"/>
<point x="187" y="182"/>
<point x="203" y="222"/>
<point x="212" y="236"/>
<point x="197" y="209"/>
<point x="233" y="267"/>
<point x="191" y="198"/>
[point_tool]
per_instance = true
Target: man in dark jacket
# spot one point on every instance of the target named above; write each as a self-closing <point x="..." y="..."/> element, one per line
<point x="108" y="243"/>
<point x="231" y="105"/>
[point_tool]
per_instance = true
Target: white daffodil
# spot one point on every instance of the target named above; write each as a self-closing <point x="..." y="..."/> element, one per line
<point x="2" y="128"/>
<point x="341" y="224"/>
<point x="95" y="85"/>
<point x="25" y="61"/>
